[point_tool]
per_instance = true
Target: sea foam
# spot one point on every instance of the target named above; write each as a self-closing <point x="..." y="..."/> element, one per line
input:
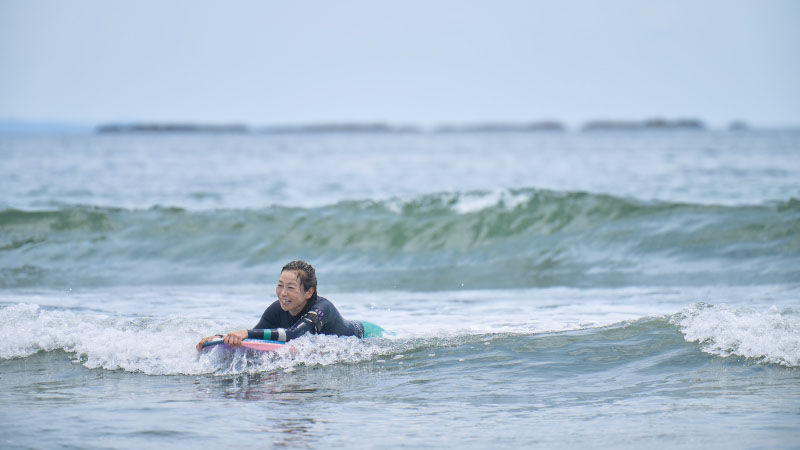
<point x="771" y="336"/>
<point x="161" y="346"/>
<point x="98" y="340"/>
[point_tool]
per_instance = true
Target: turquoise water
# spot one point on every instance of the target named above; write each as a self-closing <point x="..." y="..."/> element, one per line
<point x="553" y="290"/>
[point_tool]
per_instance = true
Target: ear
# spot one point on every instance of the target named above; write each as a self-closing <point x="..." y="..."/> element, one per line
<point x="310" y="292"/>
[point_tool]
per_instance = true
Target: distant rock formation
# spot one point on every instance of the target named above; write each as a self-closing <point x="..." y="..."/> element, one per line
<point x="649" y="124"/>
<point x="356" y="127"/>
<point x="502" y="127"/>
<point x="738" y="125"/>
<point x="170" y="128"/>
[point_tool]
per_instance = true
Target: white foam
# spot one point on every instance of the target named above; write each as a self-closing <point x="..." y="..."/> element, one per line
<point x="307" y="350"/>
<point x="97" y="340"/>
<point x="771" y="336"/>
<point x="478" y="201"/>
<point x="101" y="329"/>
<point x="466" y="202"/>
<point x="160" y="346"/>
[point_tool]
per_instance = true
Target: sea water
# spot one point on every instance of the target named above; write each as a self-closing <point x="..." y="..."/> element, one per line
<point x="554" y="290"/>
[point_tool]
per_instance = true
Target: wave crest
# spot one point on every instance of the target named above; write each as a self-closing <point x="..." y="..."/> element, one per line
<point x="527" y="237"/>
<point x="772" y="336"/>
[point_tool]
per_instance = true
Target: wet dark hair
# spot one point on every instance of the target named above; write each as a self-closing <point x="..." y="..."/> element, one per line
<point x="306" y="274"/>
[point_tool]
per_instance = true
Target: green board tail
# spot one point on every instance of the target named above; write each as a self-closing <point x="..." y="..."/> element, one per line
<point x="372" y="330"/>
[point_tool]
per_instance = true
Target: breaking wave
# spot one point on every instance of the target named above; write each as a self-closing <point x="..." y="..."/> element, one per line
<point x="517" y="238"/>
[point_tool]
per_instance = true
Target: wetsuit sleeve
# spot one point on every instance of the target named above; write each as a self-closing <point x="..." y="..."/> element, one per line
<point x="310" y="322"/>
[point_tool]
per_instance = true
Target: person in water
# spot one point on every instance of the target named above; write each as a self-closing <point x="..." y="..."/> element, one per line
<point x="298" y="310"/>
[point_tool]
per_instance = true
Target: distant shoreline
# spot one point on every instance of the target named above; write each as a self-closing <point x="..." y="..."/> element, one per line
<point x="355" y="127"/>
<point x="325" y="128"/>
<point x="542" y="126"/>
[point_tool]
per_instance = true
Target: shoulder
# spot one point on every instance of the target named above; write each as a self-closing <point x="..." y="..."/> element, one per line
<point x="323" y="303"/>
<point x="323" y="300"/>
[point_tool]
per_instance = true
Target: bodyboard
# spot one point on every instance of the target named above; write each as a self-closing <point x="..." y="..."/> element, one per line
<point x="255" y="344"/>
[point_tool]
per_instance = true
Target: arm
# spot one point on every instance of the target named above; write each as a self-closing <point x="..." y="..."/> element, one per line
<point x="233" y="338"/>
<point x="310" y="322"/>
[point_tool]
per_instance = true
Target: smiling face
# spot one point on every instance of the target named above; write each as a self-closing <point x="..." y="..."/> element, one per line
<point x="290" y="292"/>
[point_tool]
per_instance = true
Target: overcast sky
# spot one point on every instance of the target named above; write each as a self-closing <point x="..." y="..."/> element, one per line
<point x="404" y="62"/>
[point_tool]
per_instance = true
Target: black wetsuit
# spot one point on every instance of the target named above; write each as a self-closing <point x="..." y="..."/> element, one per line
<point x="317" y="317"/>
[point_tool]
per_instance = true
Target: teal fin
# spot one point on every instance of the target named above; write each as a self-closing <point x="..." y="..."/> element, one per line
<point x="372" y="330"/>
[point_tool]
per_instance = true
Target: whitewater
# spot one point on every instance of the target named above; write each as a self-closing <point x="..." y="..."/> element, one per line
<point x="602" y="289"/>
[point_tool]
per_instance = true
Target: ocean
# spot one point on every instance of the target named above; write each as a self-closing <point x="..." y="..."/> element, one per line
<point x="606" y="289"/>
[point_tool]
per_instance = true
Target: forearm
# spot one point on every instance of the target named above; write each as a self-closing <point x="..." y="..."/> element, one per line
<point x="270" y="334"/>
<point x="311" y="322"/>
<point x="232" y="338"/>
<point x="281" y="334"/>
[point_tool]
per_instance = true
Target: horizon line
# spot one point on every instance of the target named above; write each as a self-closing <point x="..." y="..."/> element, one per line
<point x="242" y="127"/>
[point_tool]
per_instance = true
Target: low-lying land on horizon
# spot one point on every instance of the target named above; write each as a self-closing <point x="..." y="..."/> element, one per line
<point x="355" y="127"/>
<point x="159" y="127"/>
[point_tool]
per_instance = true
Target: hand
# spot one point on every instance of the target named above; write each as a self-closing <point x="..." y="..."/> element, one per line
<point x="199" y="345"/>
<point x="234" y="338"/>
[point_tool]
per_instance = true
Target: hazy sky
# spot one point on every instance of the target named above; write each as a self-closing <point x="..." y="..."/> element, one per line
<point x="404" y="62"/>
